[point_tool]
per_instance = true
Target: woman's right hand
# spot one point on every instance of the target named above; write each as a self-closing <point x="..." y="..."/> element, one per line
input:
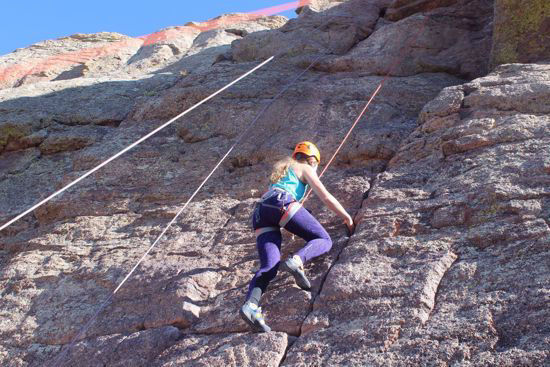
<point x="313" y="180"/>
<point x="350" y="225"/>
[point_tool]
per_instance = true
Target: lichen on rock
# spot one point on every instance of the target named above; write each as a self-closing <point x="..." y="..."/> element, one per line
<point x="521" y="32"/>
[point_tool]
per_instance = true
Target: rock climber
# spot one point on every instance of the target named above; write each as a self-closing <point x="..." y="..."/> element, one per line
<point x="280" y="207"/>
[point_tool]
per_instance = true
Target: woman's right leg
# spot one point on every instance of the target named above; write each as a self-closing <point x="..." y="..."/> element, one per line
<point x="269" y="246"/>
<point x="269" y="249"/>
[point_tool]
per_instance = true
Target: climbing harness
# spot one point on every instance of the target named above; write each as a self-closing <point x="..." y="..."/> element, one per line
<point x="258" y="232"/>
<point x="291" y="209"/>
<point x="287" y="211"/>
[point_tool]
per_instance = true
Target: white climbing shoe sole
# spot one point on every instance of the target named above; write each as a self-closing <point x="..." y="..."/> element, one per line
<point x="252" y="315"/>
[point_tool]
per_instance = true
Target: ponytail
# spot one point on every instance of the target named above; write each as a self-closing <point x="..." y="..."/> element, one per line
<point x="280" y="169"/>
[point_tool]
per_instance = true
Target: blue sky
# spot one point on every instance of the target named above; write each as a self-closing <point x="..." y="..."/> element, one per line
<point x="27" y="22"/>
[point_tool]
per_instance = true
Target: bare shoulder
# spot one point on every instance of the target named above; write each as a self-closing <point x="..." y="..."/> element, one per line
<point x="300" y="170"/>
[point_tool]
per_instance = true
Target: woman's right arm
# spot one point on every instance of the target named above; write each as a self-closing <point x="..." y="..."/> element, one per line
<point x="326" y="197"/>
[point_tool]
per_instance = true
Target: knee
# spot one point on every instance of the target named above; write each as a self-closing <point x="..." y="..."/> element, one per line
<point x="322" y="236"/>
<point x="328" y="240"/>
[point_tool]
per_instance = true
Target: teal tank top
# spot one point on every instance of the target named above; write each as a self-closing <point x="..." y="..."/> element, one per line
<point x="291" y="184"/>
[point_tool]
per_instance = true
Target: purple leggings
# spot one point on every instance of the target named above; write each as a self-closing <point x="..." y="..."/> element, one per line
<point x="302" y="224"/>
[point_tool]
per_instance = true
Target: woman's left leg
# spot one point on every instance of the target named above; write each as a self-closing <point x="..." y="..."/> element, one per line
<point x="318" y="242"/>
<point x="304" y="225"/>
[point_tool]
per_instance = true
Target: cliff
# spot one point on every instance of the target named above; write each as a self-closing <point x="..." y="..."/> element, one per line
<point x="448" y="175"/>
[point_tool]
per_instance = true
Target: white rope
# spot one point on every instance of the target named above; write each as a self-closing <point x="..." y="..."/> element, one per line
<point x="132" y="145"/>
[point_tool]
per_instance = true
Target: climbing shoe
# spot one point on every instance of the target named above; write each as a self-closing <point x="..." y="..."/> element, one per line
<point x="295" y="267"/>
<point x="252" y="314"/>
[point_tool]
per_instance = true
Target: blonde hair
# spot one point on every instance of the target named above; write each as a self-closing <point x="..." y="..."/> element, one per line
<point x="280" y="168"/>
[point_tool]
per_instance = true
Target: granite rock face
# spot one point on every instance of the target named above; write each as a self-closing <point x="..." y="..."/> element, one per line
<point x="451" y="39"/>
<point x="372" y="37"/>
<point x="448" y="178"/>
<point x="433" y="272"/>
<point x="66" y="58"/>
<point x="226" y="350"/>
<point x="333" y="31"/>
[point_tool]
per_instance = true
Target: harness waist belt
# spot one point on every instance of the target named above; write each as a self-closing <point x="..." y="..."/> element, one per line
<point x="289" y="213"/>
<point x="263" y="230"/>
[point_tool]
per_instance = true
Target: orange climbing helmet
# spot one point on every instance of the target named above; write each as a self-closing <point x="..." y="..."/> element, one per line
<point x="307" y="148"/>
